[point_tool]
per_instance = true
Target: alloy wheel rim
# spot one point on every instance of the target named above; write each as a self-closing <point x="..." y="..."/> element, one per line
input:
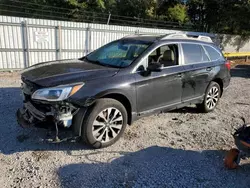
<point x="107" y="125"/>
<point x="212" y="97"/>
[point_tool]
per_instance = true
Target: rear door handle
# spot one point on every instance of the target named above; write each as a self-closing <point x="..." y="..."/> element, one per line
<point x="209" y="68"/>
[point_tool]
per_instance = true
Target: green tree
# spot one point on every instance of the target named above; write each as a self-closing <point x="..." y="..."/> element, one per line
<point x="220" y="16"/>
<point x="178" y="13"/>
<point x="136" y="8"/>
<point x="234" y="17"/>
<point x="164" y="5"/>
<point x="196" y="12"/>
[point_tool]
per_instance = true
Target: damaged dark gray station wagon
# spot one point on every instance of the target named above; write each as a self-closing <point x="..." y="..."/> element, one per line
<point x="98" y="95"/>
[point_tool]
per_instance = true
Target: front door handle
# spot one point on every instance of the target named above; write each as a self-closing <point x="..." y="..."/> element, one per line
<point x="209" y="69"/>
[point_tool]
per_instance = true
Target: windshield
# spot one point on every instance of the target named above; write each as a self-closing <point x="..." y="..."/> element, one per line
<point x="120" y="53"/>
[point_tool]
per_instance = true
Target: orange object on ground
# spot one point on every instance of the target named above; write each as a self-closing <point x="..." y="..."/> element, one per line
<point x="231" y="159"/>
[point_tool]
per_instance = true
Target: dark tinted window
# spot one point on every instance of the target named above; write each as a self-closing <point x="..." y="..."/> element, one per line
<point x="214" y="55"/>
<point x="194" y="53"/>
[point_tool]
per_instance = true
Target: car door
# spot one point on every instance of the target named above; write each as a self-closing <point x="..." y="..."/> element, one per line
<point x="198" y="69"/>
<point x="157" y="90"/>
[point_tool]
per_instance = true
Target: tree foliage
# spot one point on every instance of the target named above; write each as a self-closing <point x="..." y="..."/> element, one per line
<point x="178" y="13"/>
<point x="221" y="16"/>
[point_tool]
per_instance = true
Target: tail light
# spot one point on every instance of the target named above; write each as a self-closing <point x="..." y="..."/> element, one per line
<point x="228" y="65"/>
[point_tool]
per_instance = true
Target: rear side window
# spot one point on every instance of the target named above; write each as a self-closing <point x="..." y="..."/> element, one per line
<point x="205" y="57"/>
<point x="194" y="53"/>
<point x="213" y="54"/>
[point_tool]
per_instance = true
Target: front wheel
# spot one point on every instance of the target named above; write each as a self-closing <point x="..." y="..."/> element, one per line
<point x="105" y="123"/>
<point x="211" y="99"/>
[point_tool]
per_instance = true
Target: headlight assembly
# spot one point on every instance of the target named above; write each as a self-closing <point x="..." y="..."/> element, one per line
<point x="56" y="93"/>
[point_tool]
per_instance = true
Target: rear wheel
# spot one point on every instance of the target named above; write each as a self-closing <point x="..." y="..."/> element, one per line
<point x="211" y="99"/>
<point x="105" y="123"/>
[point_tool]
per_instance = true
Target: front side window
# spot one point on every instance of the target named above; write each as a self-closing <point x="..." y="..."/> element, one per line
<point x="214" y="55"/>
<point x="120" y="53"/>
<point x="166" y="55"/>
<point x="194" y="53"/>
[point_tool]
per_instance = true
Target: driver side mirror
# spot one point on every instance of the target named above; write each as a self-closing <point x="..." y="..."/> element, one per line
<point x="155" y="67"/>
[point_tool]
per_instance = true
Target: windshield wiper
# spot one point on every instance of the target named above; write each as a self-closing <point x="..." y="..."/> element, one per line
<point x="100" y="63"/>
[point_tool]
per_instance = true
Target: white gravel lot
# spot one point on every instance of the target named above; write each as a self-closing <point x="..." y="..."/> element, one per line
<point x="183" y="148"/>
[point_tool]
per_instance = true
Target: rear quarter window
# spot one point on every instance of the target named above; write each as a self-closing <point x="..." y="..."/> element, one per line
<point x="213" y="54"/>
<point x="194" y="53"/>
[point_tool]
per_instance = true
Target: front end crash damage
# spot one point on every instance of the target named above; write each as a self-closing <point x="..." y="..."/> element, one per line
<point x="35" y="114"/>
<point x="46" y="106"/>
<point x="48" y="116"/>
<point x="53" y="114"/>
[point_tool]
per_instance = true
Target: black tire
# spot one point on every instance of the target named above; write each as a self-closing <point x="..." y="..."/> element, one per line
<point x="207" y="106"/>
<point x="92" y="115"/>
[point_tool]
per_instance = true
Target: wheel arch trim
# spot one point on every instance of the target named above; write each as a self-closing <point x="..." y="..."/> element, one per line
<point x="117" y="95"/>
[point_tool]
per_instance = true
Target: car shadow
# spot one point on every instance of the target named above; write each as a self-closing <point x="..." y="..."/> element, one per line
<point x="14" y="138"/>
<point x="155" y="167"/>
<point x="242" y="71"/>
<point x="187" y="109"/>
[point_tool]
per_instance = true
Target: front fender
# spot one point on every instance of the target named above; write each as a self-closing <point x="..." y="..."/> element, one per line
<point x="79" y="117"/>
<point x="78" y="121"/>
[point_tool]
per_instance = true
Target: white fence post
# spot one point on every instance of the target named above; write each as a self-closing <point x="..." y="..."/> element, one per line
<point x="88" y="40"/>
<point x="25" y="43"/>
<point x="58" y="42"/>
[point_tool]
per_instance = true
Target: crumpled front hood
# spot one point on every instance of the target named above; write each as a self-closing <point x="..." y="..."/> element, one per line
<point x="63" y="72"/>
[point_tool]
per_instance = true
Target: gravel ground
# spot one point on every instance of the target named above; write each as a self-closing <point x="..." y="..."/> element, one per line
<point x="183" y="148"/>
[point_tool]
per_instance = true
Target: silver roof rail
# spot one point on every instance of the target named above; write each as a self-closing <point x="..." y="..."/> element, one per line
<point x="187" y="36"/>
<point x="205" y="38"/>
<point x="139" y="35"/>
